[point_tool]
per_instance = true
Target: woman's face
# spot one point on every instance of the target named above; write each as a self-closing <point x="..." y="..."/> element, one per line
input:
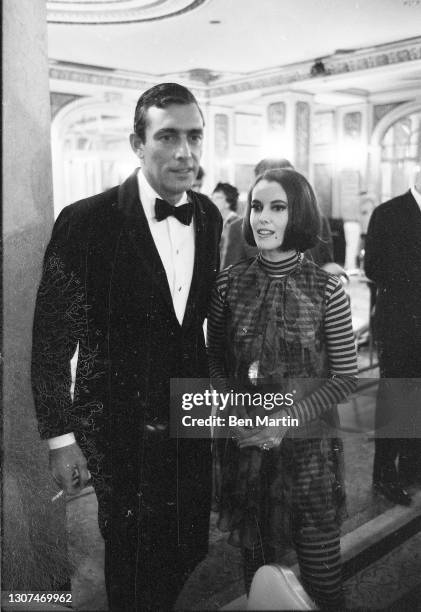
<point x="269" y="217"/>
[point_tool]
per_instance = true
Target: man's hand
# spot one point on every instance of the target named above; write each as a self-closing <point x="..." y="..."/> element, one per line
<point x="69" y="469"/>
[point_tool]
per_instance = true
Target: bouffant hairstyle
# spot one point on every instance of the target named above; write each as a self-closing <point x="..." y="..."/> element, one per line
<point x="303" y="228"/>
<point x="230" y="192"/>
<point x="271" y="163"/>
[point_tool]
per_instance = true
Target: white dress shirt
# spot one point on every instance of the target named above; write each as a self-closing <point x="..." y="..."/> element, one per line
<point x="417" y="196"/>
<point x="175" y="244"/>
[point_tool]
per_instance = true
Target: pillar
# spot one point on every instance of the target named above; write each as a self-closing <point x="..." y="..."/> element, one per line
<point x="33" y="546"/>
<point x="288" y="129"/>
<point x="351" y="160"/>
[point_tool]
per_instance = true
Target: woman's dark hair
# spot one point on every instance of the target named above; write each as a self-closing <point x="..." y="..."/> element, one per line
<point x="161" y="95"/>
<point x="230" y="192"/>
<point x="303" y="228"/>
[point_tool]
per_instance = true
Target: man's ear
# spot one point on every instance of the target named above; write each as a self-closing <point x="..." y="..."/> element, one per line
<point x="137" y="145"/>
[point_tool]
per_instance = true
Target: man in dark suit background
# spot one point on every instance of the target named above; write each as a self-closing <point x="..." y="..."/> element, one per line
<point x="393" y="262"/>
<point x="127" y="278"/>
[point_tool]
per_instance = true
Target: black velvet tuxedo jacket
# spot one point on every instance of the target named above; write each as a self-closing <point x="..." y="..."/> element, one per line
<point x="104" y="289"/>
<point x="393" y="261"/>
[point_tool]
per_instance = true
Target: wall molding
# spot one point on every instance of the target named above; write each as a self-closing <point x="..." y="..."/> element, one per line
<point x="59" y="100"/>
<point x="361" y="60"/>
<point x="335" y="65"/>
<point x="109" y="78"/>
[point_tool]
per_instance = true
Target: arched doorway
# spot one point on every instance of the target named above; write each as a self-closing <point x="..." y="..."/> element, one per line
<point x="400" y="155"/>
<point x="396" y="148"/>
<point x="90" y="148"/>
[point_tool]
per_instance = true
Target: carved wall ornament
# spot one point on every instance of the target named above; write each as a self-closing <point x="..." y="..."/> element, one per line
<point x="58" y="100"/>
<point x="380" y="110"/>
<point x="363" y="59"/>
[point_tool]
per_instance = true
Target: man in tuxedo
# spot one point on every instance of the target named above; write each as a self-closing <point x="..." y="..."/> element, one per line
<point x="393" y="262"/>
<point x="126" y="281"/>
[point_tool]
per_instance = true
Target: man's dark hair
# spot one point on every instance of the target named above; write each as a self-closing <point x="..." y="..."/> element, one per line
<point x="303" y="228"/>
<point x="161" y="95"/>
<point x="230" y="192"/>
<point x="271" y="163"/>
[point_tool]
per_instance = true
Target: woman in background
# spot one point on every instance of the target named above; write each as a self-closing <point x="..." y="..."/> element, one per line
<point x="225" y="197"/>
<point x="279" y="323"/>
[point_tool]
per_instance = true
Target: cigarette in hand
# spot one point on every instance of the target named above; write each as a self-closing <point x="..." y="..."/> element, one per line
<point x="61" y="492"/>
<point x="57" y="495"/>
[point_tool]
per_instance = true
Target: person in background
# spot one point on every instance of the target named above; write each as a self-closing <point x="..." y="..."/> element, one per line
<point x="280" y="323"/>
<point x="237" y="249"/>
<point x="198" y="181"/>
<point x="393" y="262"/>
<point x="127" y="280"/>
<point x="225" y="197"/>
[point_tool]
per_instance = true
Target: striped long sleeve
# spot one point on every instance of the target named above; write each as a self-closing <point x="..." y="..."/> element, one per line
<point x="339" y="341"/>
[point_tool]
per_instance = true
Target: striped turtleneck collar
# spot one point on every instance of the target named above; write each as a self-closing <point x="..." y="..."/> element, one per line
<point x="277" y="269"/>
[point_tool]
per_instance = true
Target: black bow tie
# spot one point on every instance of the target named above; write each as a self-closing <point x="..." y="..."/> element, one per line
<point x="183" y="213"/>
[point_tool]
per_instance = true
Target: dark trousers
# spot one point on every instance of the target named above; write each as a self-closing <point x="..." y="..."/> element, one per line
<point x="154" y="519"/>
<point x="138" y="578"/>
<point x="398" y="410"/>
<point x="144" y="567"/>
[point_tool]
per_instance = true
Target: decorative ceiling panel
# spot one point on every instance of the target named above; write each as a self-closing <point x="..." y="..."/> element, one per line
<point x="116" y="11"/>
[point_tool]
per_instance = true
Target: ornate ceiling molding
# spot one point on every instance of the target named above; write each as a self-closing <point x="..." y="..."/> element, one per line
<point x="120" y="79"/>
<point x="96" y="12"/>
<point x="364" y="59"/>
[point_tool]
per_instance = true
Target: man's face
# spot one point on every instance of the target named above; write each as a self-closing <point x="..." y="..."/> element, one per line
<point x="170" y="155"/>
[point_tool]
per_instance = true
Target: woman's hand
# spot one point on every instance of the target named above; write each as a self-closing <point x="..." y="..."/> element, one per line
<point x="267" y="437"/>
<point x="238" y="432"/>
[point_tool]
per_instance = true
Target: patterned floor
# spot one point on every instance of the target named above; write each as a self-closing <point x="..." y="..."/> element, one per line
<point x="391" y="583"/>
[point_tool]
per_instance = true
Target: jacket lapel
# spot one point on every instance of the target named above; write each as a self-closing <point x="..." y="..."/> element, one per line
<point x="413" y="220"/>
<point x="199" y="259"/>
<point x="139" y="237"/>
<point x="413" y="207"/>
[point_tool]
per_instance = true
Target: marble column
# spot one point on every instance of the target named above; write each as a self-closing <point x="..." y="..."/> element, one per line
<point x="288" y="129"/>
<point x="34" y="555"/>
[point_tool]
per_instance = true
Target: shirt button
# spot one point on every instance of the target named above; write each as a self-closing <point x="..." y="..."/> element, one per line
<point x="177" y="252"/>
<point x="179" y="288"/>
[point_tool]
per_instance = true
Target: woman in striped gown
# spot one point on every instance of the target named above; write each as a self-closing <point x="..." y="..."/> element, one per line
<point x="280" y="324"/>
